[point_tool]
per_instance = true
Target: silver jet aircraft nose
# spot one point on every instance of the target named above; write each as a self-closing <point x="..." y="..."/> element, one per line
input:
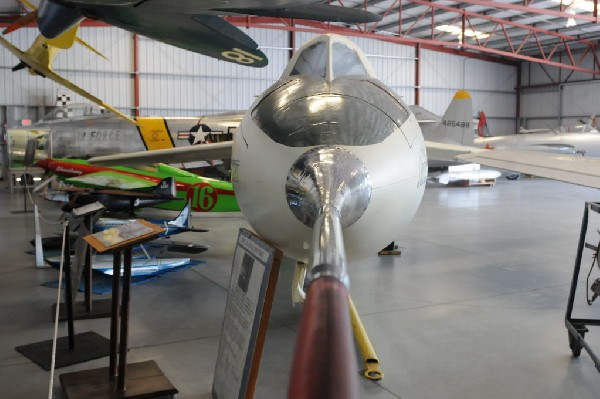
<point x="328" y="176"/>
<point x="310" y="111"/>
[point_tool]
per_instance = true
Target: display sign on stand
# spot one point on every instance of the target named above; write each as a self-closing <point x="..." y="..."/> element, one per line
<point x="251" y="289"/>
<point x="119" y="379"/>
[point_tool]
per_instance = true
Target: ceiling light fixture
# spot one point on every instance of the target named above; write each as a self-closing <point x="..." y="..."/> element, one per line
<point x="582" y="5"/>
<point x="455" y="30"/>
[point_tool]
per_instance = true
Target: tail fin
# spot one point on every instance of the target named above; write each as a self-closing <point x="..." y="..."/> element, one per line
<point x="590" y="124"/>
<point x="154" y="132"/>
<point x="166" y="187"/>
<point x="183" y="219"/>
<point x="456" y="126"/>
<point x="482" y="127"/>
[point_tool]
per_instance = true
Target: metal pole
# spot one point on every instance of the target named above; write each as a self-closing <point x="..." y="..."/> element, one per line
<point x="68" y="288"/>
<point x="88" y="267"/>
<point x="124" y="320"/>
<point x="114" y="319"/>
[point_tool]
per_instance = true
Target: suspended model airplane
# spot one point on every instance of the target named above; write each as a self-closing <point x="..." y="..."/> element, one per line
<point x="194" y="26"/>
<point x="330" y="165"/>
<point x="191" y="25"/>
<point x="205" y="194"/>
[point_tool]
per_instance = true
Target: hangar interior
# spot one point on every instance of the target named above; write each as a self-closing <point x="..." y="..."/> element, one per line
<point x="473" y="307"/>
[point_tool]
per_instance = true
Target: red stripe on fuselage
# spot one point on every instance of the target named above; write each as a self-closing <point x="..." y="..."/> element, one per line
<point x="70" y="169"/>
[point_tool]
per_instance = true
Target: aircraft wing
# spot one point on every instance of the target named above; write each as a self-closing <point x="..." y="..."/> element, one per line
<point x="200" y="152"/>
<point x="43" y="70"/>
<point x="447" y="152"/>
<point x="568" y="168"/>
<point x="197" y="25"/>
<point x="317" y="10"/>
<point x="107" y="179"/>
<point x="424" y="116"/>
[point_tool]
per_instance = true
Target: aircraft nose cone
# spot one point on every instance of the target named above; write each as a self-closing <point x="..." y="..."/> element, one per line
<point x="328" y="176"/>
<point x="43" y="163"/>
<point x="350" y="111"/>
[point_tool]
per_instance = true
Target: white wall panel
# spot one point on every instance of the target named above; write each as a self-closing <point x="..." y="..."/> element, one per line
<point x="581" y="99"/>
<point x="178" y="82"/>
<point x="568" y="96"/>
<point x="107" y="79"/>
<point x="541" y="103"/>
<point x="537" y="74"/>
<point x="442" y="71"/>
<point x="115" y="44"/>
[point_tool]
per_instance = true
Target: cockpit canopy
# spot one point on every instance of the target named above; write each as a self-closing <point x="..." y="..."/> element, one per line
<point x="329" y="57"/>
<point x="328" y="95"/>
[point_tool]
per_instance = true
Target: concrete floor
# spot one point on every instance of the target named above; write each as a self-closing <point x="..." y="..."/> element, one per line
<point x="473" y="308"/>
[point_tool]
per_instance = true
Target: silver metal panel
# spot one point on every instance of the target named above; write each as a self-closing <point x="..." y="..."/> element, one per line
<point x="581" y="99"/>
<point x="331" y="125"/>
<point x="540" y="104"/>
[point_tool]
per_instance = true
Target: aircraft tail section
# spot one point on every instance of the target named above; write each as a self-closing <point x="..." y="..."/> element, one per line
<point x="166" y="187"/>
<point x="590" y="124"/>
<point x="183" y="219"/>
<point x="482" y="126"/>
<point x="456" y="126"/>
<point x="154" y="132"/>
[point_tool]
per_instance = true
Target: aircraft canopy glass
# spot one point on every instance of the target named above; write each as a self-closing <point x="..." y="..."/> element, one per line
<point x="314" y="59"/>
<point x="345" y="61"/>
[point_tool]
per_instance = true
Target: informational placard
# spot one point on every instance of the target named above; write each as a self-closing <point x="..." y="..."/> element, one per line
<point x="251" y="290"/>
<point x="123" y="235"/>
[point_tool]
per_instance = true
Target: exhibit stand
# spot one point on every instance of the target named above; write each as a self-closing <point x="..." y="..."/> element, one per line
<point x="88" y="309"/>
<point x="119" y="379"/>
<point x="254" y="276"/>
<point x="74" y="348"/>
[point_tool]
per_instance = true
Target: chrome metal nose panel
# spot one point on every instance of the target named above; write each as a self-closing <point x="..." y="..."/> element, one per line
<point x="328" y="177"/>
<point x="308" y="111"/>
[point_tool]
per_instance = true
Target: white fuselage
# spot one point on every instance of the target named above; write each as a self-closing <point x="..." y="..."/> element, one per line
<point x="397" y="171"/>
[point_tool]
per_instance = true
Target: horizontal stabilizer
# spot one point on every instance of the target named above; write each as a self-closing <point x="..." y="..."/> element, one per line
<point x="194" y="230"/>
<point x="183" y="247"/>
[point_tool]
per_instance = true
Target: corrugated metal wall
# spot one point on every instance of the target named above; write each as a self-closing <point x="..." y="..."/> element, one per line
<point x="553" y="97"/>
<point x="180" y="83"/>
<point x="491" y="85"/>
